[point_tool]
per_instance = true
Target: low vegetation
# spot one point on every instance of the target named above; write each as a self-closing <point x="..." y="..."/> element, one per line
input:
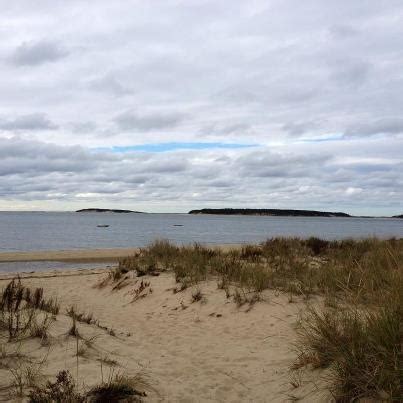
<point x="25" y="315"/>
<point x="365" y="271"/>
<point x="63" y="389"/>
<point x="20" y="308"/>
<point x="83" y="317"/>
<point x="117" y="388"/>
<point x="361" y="348"/>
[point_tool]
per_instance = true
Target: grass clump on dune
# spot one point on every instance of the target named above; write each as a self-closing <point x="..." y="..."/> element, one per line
<point x="63" y="389"/>
<point x="118" y="388"/>
<point x="361" y="348"/>
<point x="20" y="307"/>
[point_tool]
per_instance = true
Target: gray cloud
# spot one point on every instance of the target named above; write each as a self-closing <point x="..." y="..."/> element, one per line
<point x="110" y="84"/>
<point x="393" y="125"/>
<point x="36" y="53"/>
<point x="129" y="121"/>
<point x="32" y="170"/>
<point x="30" y="122"/>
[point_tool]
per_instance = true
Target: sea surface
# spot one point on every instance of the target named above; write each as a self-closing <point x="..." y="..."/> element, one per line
<point x="27" y="231"/>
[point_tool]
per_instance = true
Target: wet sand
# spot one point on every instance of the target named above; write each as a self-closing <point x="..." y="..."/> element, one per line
<point x="74" y="255"/>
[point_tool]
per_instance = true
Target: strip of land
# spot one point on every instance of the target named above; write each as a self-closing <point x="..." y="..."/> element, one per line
<point x="81" y="255"/>
<point x="269" y="212"/>
<point x="74" y="255"/>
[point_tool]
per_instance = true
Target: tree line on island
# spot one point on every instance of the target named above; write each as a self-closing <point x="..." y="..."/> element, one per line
<point x="241" y="211"/>
<point x="270" y="212"/>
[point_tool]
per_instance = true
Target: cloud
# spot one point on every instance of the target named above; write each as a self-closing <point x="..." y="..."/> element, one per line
<point x="163" y="147"/>
<point x="185" y="179"/>
<point x="110" y="84"/>
<point x="388" y="126"/>
<point x="30" y="122"/>
<point x="311" y="83"/>
<point x="37" y="53"/>
<point x="132" y="121"/>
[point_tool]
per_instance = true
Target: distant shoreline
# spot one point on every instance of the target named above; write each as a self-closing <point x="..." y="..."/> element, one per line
<point x="271" y="212"/>
<point x="107" y="210"/>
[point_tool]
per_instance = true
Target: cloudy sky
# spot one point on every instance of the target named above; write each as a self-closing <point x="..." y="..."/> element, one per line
<point x="172" y="105"/>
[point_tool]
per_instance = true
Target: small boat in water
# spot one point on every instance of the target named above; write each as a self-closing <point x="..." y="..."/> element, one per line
<point x="103" y="225"/>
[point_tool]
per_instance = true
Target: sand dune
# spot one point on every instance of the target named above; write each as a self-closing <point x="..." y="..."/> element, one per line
<point x="191" y="352"/>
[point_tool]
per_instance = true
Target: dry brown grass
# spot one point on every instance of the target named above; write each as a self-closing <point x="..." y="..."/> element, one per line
<point x="19" y="309"/>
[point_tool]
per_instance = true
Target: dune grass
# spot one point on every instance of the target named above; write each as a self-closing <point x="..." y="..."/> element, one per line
<point x="360" y="270"/>
<point x="19" y="310"/>
<point x="357" y="334"/>
<point x="360" y="347"/>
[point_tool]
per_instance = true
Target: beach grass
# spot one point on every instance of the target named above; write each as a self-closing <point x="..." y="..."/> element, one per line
<point x="364" y="271"/>
<point x="356" y="334"/>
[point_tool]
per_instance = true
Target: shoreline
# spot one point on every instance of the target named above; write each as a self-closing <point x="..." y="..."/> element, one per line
<point x="105" y="255"/>
<point x="69" y="255"/>
<point x="43" y="274"/>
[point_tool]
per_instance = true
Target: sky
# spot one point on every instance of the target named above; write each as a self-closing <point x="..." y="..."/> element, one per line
<point x="167" y="106"/>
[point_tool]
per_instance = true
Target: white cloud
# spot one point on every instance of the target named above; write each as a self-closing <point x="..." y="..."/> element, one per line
<point x="272" y="73"/>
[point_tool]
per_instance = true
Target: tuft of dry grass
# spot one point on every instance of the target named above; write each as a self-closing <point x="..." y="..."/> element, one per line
<point x="73" y="331"/>
<point x="83" y="317"/>
<point x="119" y="387"/>
<point x="361" y="347"/>
<point x="197" y="295"/>
<point x="63" y="389"/>
<point x="19" y="306"/>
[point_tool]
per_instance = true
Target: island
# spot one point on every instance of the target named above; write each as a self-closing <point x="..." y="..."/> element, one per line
<point x="269" y="212"/>
<point x="398" y="216"/>
<point x="106" y="210"/>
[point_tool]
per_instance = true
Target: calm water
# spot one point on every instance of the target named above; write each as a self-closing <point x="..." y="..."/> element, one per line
<point x="26" y="231"/>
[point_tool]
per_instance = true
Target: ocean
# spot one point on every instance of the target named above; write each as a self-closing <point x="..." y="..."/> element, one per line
<point x="27" y="231"/>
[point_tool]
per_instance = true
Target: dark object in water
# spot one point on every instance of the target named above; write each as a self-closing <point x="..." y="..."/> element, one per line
<point x="178" y="225"/>
<point x="103" y="225"/>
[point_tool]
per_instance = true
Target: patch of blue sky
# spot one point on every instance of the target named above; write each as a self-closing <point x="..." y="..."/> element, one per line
<point x="334" y="137"/>
<point x="163" y="147"/>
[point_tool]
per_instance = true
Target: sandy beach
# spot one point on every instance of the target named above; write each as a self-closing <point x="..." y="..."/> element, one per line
<point x="209" y="350"/>
<point x="74" y="255"/>
<point x="274" y="322"/>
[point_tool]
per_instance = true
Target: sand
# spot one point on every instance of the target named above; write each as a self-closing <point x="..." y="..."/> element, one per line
<point x="189" y="352"/>
<point x="206" y="351"/>
<point x="74" y="255"/>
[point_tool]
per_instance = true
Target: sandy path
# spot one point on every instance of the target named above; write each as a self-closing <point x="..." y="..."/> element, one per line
<point x="193" y="352"/>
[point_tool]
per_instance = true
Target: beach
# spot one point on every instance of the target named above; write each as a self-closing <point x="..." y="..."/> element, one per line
<point x="205" y="351"/>
<point x="209" y="351"/>
<point x="73" y="255"/>
<point x="179" y="334"/>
